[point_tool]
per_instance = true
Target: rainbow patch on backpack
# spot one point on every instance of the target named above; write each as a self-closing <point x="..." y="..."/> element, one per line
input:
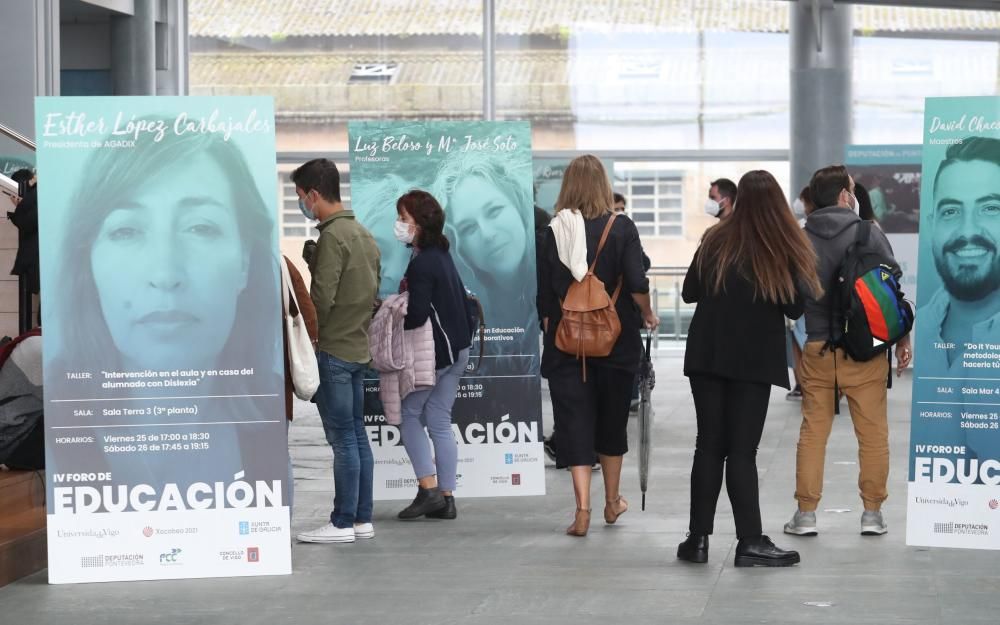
<point x="888" y="319"/>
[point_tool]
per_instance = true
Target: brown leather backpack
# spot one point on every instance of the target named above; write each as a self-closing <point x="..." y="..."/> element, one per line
<point x="590" y="324"/>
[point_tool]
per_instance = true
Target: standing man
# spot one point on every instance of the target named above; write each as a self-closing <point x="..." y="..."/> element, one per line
<point x="345" y="282"/>
<point x="619" y="205"/>
<point x="826" y="369"/>
<point x="721" y="198"/>
<point x="26" y="263"/>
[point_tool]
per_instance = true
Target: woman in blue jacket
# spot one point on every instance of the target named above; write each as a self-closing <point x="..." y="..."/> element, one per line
<point x="436" y="294"/>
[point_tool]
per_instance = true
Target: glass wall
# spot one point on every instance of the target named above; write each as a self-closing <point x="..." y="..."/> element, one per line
<point x="893" y="75"/>
<point x="327" y="63"/>
<point x="666" y="89"/>
<point x="680" y="74"/>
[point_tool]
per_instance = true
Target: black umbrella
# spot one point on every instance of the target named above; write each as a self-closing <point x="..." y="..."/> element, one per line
<point x="647" y="379"/>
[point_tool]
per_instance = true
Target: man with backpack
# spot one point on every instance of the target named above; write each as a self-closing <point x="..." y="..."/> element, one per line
<point x="849" y="331"/>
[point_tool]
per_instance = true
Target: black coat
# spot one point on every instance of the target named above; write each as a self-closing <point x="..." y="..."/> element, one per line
<point x="734" y="335"/>
<point x="436" y="293"/>
<point x="25" y="217"/>
<point x="621" y="257"/>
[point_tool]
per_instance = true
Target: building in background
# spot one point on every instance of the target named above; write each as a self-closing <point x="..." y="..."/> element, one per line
<point x="675" y="92"/>
<point x="704" y="84"/>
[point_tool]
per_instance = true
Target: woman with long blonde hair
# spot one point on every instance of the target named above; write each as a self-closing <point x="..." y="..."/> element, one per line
<point x="590" y="399"/>
<point x="750" y="272"/>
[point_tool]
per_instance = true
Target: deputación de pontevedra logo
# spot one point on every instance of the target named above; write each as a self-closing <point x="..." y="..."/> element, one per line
<point x="962" y="529"/>
<point x="115" y="560"/>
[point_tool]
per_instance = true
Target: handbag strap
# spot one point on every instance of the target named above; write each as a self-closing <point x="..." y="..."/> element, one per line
<point x="288" y="298"/>
<point x="600" y="248"/>
<point x="604" y="239"/>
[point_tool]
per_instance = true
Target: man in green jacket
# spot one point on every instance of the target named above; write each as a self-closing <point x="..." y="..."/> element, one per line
<point x="345" y="281"/>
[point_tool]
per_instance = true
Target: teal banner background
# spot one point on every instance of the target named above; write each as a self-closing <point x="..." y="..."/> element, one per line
<point x="481" y="173"/>
<point x="955" y="424"/>
<point x="161" y="315"/>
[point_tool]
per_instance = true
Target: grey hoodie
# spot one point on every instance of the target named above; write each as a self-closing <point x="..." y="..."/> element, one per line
<point x="831" y="230"/>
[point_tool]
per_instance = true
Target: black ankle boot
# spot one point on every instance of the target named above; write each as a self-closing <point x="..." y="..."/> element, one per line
<point x="694" y="549"/>
<point x="427" y="500"/>
<point x="447" y="512"/>
<point x="760" y="551"/>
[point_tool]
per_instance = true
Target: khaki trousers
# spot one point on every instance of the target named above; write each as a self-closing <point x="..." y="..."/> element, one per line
<point x="864" y="385"/>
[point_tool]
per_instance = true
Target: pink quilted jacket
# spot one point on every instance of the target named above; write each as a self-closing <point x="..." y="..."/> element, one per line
<point x="403" y="358"/>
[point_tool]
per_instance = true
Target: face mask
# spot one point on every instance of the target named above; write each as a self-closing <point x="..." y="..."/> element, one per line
<point x="305" y="211"/>
<point x="798" y="207"/>
<point x="854" y="204"/>
<point x="403" y="232"/>
<point x="712" y="208"/>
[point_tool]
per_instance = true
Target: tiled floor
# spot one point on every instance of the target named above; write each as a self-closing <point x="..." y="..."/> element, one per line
<point x="507" y="561"/>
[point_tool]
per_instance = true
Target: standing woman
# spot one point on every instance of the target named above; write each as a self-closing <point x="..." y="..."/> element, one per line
<point x="757" y="262"/>
<point x="436" y="293"/>
<point x="591" y="411"/>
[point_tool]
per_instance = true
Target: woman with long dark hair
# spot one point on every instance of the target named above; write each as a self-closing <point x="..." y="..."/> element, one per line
<point x="436" y="293"/>
<point x="760" y="263"/>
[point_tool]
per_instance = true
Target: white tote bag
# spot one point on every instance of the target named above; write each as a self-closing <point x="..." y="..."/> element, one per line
<point x="301" y="353"/>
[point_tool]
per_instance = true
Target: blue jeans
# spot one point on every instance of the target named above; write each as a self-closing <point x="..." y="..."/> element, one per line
<point x="432" y="408"/>
<point x="341" y="406"/>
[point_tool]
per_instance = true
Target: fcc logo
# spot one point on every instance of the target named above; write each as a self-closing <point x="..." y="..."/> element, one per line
<point x="171" y="557"/>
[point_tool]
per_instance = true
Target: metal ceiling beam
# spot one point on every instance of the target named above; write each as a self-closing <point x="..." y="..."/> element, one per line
<point x="981" y="5"/>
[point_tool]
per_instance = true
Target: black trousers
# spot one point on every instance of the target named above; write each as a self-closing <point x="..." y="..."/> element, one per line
<point x="590" y="416"/>
<point x="730" y="423"/>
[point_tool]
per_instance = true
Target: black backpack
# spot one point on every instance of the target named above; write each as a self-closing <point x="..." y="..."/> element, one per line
<point x="867" y="299"/>
<point x="477" y="320"/>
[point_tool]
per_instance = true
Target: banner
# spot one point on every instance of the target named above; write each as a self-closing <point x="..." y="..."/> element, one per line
<point x="480" y="172"/>
<point x="955" y="427"/>
<point x="891" y="175"/>
<point x="165" y="434"/>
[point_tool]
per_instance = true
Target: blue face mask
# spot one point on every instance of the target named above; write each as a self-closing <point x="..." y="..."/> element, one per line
<point x="305" y="211"/>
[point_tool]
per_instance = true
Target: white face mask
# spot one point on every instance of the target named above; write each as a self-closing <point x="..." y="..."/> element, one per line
<point x="798" y="208"/>
<point x="712" y="208"/>
<point x="854" y="203"/>
<point x="403" y="232"/>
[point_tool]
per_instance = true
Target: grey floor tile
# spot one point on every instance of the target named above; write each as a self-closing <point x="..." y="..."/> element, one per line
<point x="507" y="560"/>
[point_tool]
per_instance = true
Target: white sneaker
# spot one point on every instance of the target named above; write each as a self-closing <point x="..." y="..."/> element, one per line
<point x="364" y="530"/>
<point x="802" y="524"/>
<point x="328" y="534"/>
<point x="872" y="523"/>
